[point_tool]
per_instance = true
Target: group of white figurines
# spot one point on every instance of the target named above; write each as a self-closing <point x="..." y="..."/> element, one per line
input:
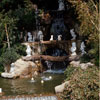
<point x="40" y="37"/>
<point x="72" y="49"/>
<point x="32" y="38"/>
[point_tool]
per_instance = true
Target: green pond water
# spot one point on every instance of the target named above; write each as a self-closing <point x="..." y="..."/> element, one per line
<point x="13" y="87"/>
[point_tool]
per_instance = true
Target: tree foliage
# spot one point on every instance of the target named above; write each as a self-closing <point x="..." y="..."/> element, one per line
<point x="88" y="19"/>
<point x="18" y="16"/>
<point x="9" y="56"/>
<point x="88" y="16"/>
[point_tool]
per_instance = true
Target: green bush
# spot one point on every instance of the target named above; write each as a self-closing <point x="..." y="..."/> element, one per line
<point x="20" y="49"/>
<point x="84" y="85"/>
<point x="8" y="57"/>
<point x="1" y="65"/>
<point x="68" y="72"/>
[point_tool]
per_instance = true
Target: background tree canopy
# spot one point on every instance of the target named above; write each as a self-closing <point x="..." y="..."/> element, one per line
<point x="88" y="17"/>
<point x="17" y="16"/>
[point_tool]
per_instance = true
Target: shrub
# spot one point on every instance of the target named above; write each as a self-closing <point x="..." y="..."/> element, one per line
<point x="9" y="56"/>
<point x="20" y="49"/>
<point x="69" y="71"/>
<point x="1" y="65"/>
<point x="84" y="85"/>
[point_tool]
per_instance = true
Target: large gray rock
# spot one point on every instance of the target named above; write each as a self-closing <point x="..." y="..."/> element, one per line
<point x="7" y="75"/>
<point x="86" y="65"/>
<point x="18" y="68"/>
<point x="75" y="63"/>
<point x="81" y="65"/>
<point x="60" y="88"/>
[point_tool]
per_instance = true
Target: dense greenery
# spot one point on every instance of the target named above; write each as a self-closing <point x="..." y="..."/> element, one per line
<point x="84" y="84"/>
<point x="68" y="72"/>
<point x="88" y="17"/>
<point x="16" y="17"/>
<point x="9" y="56"/>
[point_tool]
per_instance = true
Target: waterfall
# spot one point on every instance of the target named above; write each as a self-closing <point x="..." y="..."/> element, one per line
<point x="55" y="67"/>
<point x="58" y="28"/>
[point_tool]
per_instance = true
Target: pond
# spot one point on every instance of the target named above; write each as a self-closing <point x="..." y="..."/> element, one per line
<point x="13" y="87"/>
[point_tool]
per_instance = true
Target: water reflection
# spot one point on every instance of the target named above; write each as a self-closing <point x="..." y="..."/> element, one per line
<point x="25" y="86"/>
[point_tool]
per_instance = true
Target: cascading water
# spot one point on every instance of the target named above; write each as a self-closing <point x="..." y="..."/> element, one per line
<point x="58" y="28"/>
<point x="55" y="67"/>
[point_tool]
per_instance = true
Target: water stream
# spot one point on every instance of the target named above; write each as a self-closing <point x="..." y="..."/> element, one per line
<point x="13" y="87"/>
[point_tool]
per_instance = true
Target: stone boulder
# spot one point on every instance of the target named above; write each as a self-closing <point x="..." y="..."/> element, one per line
<point x="19" y="68"/>
<point x="86" y="65"/>
<point x="75" y="63"/>
<point x="81" y="65"/>
<point x="60" y="88"/>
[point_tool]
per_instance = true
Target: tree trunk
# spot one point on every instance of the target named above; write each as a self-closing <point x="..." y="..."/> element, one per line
<point x="7" y="36"/>
<point x="46" y="57"/>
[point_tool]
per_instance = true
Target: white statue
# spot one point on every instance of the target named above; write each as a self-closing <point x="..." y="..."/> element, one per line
<point x="49" y="64"/>
<point x="39" y="49"/>
<point x="51" y="38"/>
<point x="29" y="37"/>
<point x="40" y="35"/>
<point x="28" y="50"/>
<point x="82" y="48"/>
<point x="0" y="90"/>
<point x="59" y="37"/>
<point x="12" y="68"/>
<point x="73" y="34"/>
<point x="33" y="39"/>
<point x="25" y="39"/>
<point x="73" y="49"/>
<point x="33" y="52"/>
<point x="61" y="5"/>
